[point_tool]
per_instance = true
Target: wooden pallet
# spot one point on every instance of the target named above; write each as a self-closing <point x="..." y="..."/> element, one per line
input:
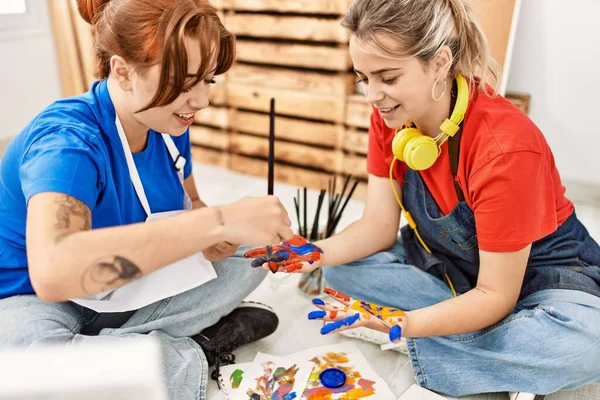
<point x="284" y="27"/>
<point x="320" y="7"/>
<point x="297" y="55"/>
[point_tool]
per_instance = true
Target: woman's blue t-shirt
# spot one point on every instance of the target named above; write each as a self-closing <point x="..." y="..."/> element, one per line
<point x="73" y="147"/>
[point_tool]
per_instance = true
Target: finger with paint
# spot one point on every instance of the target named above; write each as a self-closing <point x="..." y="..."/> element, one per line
<point x="328" y="312"/>
<point x="357" y="313"/>
<point x="291" y="256"/>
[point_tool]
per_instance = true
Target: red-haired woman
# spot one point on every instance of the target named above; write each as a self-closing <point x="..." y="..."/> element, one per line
<point x="97" y="191"/>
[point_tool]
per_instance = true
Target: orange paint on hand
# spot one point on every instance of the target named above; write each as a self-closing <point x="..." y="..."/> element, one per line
<point x="293" y="268"/>
<point x="337" y="294"/>
<point x="333" y="314"/>
<point x="388" y="314"/>
<point x="273" y="266"/>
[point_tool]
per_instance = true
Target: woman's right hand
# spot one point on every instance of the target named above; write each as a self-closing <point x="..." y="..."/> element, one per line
<point x="255" y="221"/>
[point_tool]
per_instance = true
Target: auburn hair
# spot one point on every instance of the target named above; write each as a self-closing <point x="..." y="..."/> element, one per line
<point x="150" y="32"/>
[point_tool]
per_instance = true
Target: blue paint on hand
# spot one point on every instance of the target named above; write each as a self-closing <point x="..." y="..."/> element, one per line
<point x="316" y="314"/>
<point x="348" y="321"/>
<point x="395" y="333"/>
<point x="290" y="396"/>
<point x="258" y="262"/>
<point x="318" y="302"/>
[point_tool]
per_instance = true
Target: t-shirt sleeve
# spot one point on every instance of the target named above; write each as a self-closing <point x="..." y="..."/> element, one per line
<point x="513" y="201"/>
<point x="61" y="162"/>
<point x="376" y="163"/>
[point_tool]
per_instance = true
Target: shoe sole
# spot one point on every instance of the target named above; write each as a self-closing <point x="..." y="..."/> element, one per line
<point x="255" y="304"/>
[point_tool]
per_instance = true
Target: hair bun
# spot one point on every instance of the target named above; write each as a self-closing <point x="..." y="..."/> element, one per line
<point x="90" y="9"/>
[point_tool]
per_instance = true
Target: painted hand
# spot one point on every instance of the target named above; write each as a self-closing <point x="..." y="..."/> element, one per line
<point x="355" y="313"/>
<point x="295" y="255"/>
<point x="220" y="251"/>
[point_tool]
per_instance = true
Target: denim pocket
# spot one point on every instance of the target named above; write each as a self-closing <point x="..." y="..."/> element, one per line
<point x="463" y="235"/>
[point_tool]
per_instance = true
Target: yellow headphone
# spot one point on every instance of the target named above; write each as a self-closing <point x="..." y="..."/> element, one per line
<point x="420" y="152"/>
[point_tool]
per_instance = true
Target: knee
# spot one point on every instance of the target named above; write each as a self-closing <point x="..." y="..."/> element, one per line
<point x="35" y="325"/>
<point x="336" y="277"/>
<point x="236" y="270"/>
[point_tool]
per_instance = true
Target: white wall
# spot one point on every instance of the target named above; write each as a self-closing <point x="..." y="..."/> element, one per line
<point x="29" y="78"/>
<point x="557" y="60"/>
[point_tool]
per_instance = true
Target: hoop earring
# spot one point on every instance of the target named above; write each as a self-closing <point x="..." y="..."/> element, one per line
<point x="443" y="91"/>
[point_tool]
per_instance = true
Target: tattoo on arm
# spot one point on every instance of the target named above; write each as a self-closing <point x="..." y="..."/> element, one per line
<point x="481" y="290"/>
<point x="72" y="213"/>
<point x="109" y="273"/>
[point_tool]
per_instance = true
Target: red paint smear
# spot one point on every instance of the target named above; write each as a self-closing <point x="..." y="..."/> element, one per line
<point x="333" y="314"/>
<point x="337" y="294"/>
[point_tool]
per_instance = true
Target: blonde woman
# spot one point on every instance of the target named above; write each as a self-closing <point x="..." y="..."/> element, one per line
<point x="497" y="287"/>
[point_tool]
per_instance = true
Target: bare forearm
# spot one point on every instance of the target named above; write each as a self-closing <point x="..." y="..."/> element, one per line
<point x="94" y="261"/>
<point x="474" y="310"/>
<point x="358" y="240"/>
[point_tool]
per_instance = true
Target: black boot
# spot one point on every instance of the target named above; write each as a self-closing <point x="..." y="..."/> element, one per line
<point x="248" y="323"/>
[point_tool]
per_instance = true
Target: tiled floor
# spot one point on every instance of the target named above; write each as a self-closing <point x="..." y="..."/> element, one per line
<point x="295" y="332"/>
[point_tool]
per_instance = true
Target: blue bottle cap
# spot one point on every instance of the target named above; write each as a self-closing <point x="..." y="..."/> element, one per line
<point x="333" y="378"/>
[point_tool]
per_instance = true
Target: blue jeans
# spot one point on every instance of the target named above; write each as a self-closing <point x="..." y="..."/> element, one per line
<point x="28" y="322"/>
<point x="551" y="340"/>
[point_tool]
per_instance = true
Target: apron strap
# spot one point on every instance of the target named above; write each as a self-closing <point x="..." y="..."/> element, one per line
<point x="178" y="164"/>
<point x="133" y="172"/>
<point x="178" y="160"/>
<point x="454" y="150"/>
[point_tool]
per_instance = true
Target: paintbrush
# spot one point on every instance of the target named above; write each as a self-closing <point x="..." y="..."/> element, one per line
<point x="271" y="177"/>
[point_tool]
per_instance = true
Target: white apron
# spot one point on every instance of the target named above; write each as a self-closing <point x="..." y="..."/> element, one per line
<point x="165" y="282"/>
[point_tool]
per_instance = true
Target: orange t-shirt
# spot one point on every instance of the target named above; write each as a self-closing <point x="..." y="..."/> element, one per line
<point x="506" y="171"/>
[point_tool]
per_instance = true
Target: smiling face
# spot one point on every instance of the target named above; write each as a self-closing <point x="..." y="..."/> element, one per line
<point x="399" y="88"/>
<point x="173" y="118"/>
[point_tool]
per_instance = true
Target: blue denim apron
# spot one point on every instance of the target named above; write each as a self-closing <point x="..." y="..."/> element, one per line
<point x="567" y="259"/>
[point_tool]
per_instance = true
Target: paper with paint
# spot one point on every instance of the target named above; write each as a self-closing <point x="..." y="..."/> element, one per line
<point x="266" y="380"/>
<point x="362" y="381"/>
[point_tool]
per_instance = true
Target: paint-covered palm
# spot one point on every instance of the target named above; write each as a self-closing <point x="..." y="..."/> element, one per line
<point x="356" y="313"/>
<point x="295" y="255"/>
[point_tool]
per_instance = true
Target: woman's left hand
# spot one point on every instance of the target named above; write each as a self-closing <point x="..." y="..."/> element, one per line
<point x="220" y="251"/>
<point x="355" y="313"/>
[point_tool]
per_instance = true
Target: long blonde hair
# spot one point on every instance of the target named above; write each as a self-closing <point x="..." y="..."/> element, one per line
<point x="420" y="28"/>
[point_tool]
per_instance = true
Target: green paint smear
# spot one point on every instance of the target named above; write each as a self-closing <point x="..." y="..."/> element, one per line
<point x="236" y="378"/>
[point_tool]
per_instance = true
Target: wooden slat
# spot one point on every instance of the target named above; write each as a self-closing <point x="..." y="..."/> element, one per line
<point x="356" y="141"/>
<point x="329" y="160"/>
<point x="218" y="4"/>
<point x="335" y="7"/>
<point x="213" y="116"/>
<point x="521" y="100"/>
<point x="496" y="19"/>
<point x="209" y="137"/>
<point x="283" y="173"/>
<point x="85" y="45"/>
<point x="63" y="30"/>
<point x="312" y="29"/>
<point x="288" y="102"/>
<point x="358" y="111"/>
<point x="287" y="128"/>
<point x="295" y="55"/>
<point x="355" y="165"/>
<point x="206" y="156"/>
<point x="218" y="93"/>
<point x="313" y="82"/>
